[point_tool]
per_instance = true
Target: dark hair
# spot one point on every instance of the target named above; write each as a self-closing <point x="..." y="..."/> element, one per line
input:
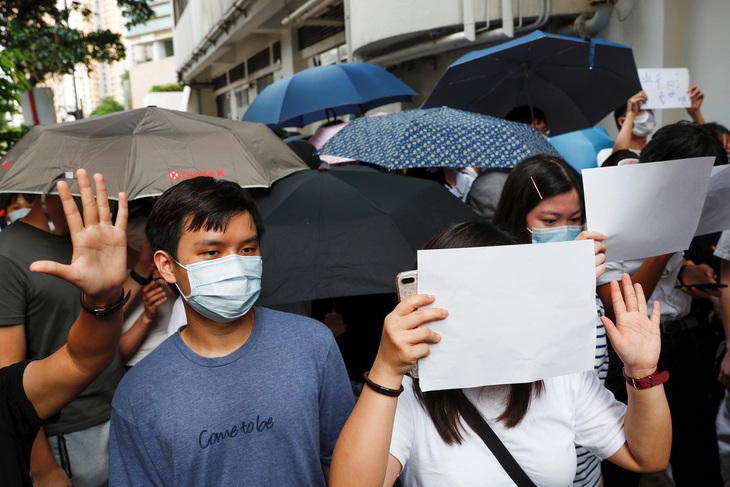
<point x="717" y="129"/>
<point x="618" y="113"/>
<point x="446" y="407"/>
<point x="10" y="198"/>
<point x="682" y="140"/>
<point x="525" y="114"/>
<point x="194" y="204"/>
<point x="548" y="174"/>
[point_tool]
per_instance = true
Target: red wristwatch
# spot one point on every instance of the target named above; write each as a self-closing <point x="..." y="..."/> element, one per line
<point x="652" y="380"/>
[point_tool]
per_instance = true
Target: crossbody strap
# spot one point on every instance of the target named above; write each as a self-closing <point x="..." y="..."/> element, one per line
<point x="501" y="453"/>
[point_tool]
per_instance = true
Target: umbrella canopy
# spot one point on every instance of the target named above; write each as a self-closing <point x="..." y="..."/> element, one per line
<point x="575" y="82"/>
<point x="437" y="137"/>
<point x="143" y="152"/>
<point x="326" y="91"/>
<point x="580" y="148"/>
<point x="347" y="231"/>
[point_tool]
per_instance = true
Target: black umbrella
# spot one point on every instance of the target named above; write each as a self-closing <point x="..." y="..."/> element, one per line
<point x="347" y="231"/>
<point x="575" y="82"/>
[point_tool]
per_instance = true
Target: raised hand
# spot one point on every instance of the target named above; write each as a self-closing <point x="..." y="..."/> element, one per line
<point x="98" y="264"/>
<point x="635" y="336"/>
<point x="696" y="96"/>
<point x="635" y="102"/>
<point x="154" y="294"/>
<point x="404" y="341"/>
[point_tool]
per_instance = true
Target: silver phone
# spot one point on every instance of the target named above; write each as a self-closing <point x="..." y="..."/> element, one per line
<point x="407" y="284"/>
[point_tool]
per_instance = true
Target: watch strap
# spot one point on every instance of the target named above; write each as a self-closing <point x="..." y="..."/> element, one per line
<point x="654" y="379"/>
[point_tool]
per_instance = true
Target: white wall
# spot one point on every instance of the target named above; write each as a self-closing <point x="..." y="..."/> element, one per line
<point x="678" y="33"/>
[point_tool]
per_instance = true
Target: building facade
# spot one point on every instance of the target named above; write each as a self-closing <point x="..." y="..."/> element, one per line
<point x="227" y="51"/>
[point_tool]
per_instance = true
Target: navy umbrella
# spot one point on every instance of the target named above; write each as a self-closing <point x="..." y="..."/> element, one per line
<point x="347" y="231"/>
<point x="437" y="137"/>
<point x="575" y="82"/>
<point x="326" y="91"/>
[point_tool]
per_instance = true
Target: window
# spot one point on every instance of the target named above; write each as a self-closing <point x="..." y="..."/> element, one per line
<point x="258" y="61"/>
<point x="241" y="102"/>
<point x="263" y="82"/>
<point x="239" y="72"/>
<point x="220" y="81"/>
<point x="223" y="104"/>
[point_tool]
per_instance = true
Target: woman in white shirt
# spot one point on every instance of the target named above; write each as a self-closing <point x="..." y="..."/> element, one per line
<point x="427" y="439"/>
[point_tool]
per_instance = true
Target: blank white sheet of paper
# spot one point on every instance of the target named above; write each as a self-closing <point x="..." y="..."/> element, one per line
<point x="646" y="209"/>
<point x="517" y="313"/>
<point x="716" y="210"/>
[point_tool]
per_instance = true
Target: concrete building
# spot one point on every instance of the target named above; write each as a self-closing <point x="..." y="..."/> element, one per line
<point x="151" y="61"/>
<point x="227" y="51"/>
<point x="85" y="88"/>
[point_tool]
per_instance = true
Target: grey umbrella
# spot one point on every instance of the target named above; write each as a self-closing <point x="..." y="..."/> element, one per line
<point x="145" y="151"/>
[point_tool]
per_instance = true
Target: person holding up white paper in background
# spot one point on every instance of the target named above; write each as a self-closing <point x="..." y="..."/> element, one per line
<point x="673" y="282"/>
<point x="428" y="437"/>
<point x="635" y="124"/>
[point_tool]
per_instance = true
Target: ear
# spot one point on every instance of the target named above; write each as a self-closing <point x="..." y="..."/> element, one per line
<point x="165" y="265"/>
<point x="621" y="121"/>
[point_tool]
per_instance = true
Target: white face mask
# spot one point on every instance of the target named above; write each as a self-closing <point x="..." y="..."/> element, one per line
<point x="18" y="214"/>
<point x="224" y="289"/>
<point x="643" y="124"/>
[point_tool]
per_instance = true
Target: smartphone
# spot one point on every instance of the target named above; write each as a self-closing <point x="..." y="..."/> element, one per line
<point x="705" y="285"/>
<point x="407" y="284"/>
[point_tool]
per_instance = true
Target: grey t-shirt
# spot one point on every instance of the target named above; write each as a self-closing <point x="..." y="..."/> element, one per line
<point x="268" y="413"/>
<point x="48" y="306"/>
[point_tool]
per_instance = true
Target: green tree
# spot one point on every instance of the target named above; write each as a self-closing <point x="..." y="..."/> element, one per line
<point x="40" y="42"/>
<point x="37" y="41"/>
<point x="107" y="105"/>
<point x="11" y="83"/>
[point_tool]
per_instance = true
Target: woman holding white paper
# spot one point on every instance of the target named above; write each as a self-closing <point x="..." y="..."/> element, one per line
<point x="542" y="201"/>
<point x="427" y="438"/>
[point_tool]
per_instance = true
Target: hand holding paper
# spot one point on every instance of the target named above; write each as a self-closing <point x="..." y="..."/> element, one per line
<point x="598" y="247"/>
<point x="404" y="340"/>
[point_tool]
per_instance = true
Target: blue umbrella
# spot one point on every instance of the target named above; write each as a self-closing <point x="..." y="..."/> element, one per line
<point x="580" y="148"/>
<point x="326" y="91"/>
<point x="437" y="137"/>
<point x="575" y="82"/>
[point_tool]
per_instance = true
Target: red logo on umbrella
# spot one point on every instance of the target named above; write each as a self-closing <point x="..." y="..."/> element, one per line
<point x="6" y="164"/>
<point x="174" y="175"/>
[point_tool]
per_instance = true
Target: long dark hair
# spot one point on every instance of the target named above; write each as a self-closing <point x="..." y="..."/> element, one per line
<point x="446" y="408"/>
<point x="532" y="180"/>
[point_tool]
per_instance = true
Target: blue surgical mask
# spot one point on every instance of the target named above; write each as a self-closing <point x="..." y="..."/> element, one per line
<point x="224" y="289"/>
<point x="555" y="234"/>
<point x="18" y="214"/>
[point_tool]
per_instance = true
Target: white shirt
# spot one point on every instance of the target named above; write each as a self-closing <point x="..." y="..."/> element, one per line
<point x="571" y="409"/>
<point x="675" y="304"/>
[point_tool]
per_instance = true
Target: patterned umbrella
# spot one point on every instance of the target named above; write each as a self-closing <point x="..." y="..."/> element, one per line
<point x="437" y="137"/>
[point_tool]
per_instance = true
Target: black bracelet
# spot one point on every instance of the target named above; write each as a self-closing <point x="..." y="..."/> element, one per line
<point x="142" y="281"/>
<point x="109" y="310"/>
<point x="386" y="391"/>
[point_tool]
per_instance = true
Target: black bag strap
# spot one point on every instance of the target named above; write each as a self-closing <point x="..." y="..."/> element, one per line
<point x="501" y="453"/>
